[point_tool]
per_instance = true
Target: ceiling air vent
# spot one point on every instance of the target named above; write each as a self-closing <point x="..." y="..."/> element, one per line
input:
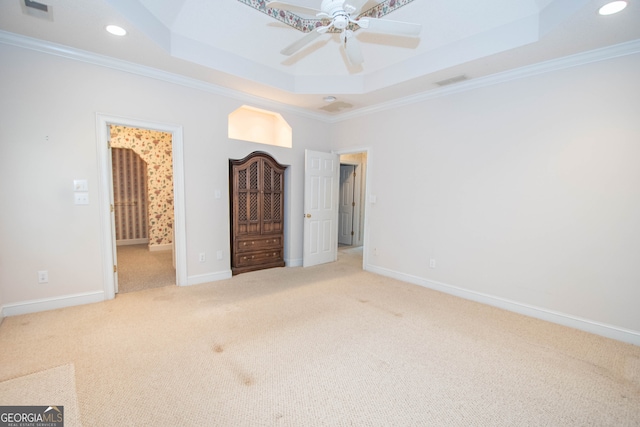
<point x="36" y="9"/>
<point x="335" y="107"/>
<point x="452" y="80"/>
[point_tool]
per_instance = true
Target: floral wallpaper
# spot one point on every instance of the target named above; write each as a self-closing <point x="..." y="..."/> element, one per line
<point x="307" y="25"/>
<point x="154" y="148"/>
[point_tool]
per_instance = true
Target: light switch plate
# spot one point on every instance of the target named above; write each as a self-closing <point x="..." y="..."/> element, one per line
<point x="80" y="185"/>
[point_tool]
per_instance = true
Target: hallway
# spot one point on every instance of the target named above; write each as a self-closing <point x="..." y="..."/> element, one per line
<point x="139" y="268"/>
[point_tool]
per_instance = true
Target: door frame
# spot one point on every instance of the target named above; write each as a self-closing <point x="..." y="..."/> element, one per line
<point x="353" y="168"/>
<point x="367" y="198"/>
<point x="106" y="189"/>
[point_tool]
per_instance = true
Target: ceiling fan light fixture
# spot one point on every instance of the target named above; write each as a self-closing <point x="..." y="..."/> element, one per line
<point x="612" y="7"/>
<point x="116" y="30"/>
<point x="341" y="15"/>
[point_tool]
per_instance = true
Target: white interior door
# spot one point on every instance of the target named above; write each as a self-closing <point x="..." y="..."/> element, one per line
<point x="346" y="206"/>
<point x="321" y="178"/>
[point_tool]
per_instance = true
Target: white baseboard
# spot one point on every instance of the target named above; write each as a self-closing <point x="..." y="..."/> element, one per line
<point x="597" y="328"/>
<point x="206" y="278"/>
<point x="45" y="304"/>
<point x="155" y="248"/>
<point x="293" y="262"/>
<point x="132" y="242"/>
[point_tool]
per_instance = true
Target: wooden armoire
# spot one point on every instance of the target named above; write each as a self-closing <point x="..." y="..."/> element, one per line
<point x="257" y="212"/>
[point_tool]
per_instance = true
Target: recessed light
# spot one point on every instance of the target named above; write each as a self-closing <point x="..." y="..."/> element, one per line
<point x="612" y="7"/>
<point x="116" y="31"/>
<point x="329" y="98"/>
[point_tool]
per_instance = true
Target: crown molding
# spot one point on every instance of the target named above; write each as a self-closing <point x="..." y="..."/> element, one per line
<point x="150" y="72"/>
<point x="610" y="52"/>
<point x="596" y="55"/>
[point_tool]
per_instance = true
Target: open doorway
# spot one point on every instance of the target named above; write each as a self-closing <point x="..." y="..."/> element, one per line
<point x="352" y="189"/>
<point x="347" y="205"/>
<point x="143" y="207"/>
<point x="107" y="208"/>
<point x="321" y="205"/>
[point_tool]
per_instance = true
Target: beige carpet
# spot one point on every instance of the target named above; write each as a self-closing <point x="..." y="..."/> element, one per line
<point x="139" y="268"/>
<point x="51" y="387"/>
<point x="324" y="346"/>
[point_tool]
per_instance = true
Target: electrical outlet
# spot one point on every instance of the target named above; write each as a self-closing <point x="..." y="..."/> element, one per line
<point x="202" y="257"/>
<point x="432" y="263"/>
<point x="43" y="276"/>
<point x="81" y="198"/>
<point x="219" y="255"/>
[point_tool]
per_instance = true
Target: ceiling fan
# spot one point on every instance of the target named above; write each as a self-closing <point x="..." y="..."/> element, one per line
<point x="342" y="13"/>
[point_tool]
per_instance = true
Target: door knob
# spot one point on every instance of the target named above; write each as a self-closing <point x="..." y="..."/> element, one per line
<point x="308" y="215"/>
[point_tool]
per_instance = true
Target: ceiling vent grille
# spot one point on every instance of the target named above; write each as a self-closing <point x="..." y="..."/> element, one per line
<point x="36" y="9"/>
<point x="452" y="80"/>
<point x="336" y="107"/>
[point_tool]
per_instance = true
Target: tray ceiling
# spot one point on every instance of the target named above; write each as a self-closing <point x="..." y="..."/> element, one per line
<point x="236" y="44"/>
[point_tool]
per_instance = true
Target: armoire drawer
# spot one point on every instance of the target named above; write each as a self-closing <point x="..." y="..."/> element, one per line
<point x="258" y="258"/>
<point x="257" y="244"/>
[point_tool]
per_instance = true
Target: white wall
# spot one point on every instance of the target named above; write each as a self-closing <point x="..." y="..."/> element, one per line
<point x="526" y="193"/>
<point x="48" y="107"/>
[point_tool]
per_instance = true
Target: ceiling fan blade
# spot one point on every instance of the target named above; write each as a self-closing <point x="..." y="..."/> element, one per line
<point x="293" y="8"/>
<point x="305" y="40"/>
<point x="390" y="27"/>
<point x="352" y="48"/>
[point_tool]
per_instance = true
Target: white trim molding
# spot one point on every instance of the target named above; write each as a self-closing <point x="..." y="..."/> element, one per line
<point x="145" y="71"/>
<point x="207" y="278"/>
<point x="130" y="242"/>
<point x="54" y="303"/>
<point x="180" y="229"/>
<point x="622" y="49"/>
<point x="159" y="248"/>
<point x="583" y="58"/>
<point x="293" y="262"/>
<point x="586" y="325"/>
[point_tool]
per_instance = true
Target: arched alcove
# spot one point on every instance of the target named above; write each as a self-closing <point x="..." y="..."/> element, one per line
<point x="261" y="126"/>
